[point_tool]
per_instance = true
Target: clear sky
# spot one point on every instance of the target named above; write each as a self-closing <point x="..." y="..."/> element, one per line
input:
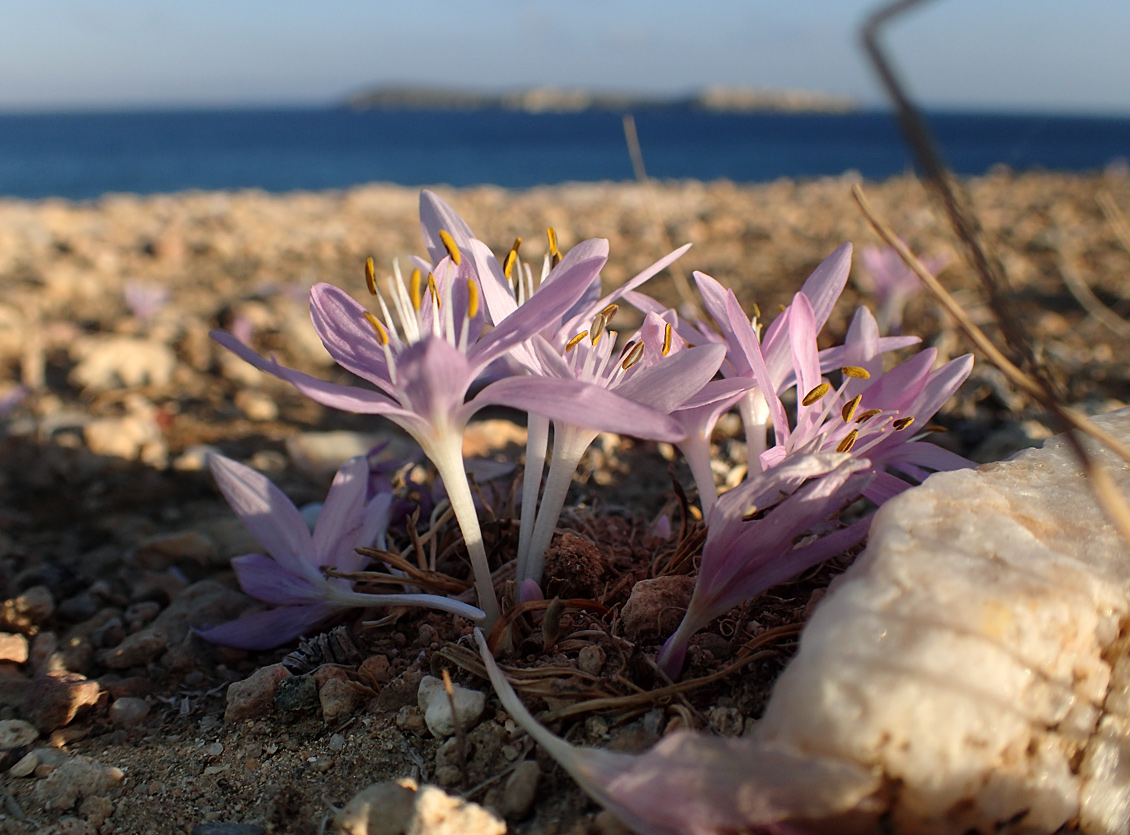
<point x="1014" y="54"/>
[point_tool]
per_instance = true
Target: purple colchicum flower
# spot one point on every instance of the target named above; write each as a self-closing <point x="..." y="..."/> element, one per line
<point x="869" y="413"/>
<point x="289" y="575"/>
<point x="752" y="536"/>
<point x="145" y="300"/>
<point x="697" y="784"/>
<point x="892" y="283"/>
<point x="663" y="384"/>
<point x="424" y="368"/>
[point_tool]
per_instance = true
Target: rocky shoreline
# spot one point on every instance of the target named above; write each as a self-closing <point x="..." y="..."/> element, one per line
<point x="114" y="542"/>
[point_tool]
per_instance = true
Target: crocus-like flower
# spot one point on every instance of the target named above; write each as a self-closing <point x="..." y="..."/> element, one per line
<point x="289" y="574"/>
<point x="662" y="382"/>
<point x="752" y="536"/>
<point x="892" y="283"/>
<point x="424" y="367"/>
<point x="698" y="784"/>
<point x="870" y="412"/>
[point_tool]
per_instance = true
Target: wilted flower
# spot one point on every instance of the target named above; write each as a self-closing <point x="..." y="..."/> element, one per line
<point x="289" y="575"/>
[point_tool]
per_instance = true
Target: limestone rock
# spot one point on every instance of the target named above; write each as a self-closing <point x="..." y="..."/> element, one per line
<point x="400" y="808"/>
<point x="436" y="706"/>
<point x="976" y="654"/>
<point x="116" y="361"/>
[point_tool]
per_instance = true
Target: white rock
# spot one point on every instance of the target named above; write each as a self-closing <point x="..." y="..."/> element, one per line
<point x="967" y="655"/>
<point x="403" y="808"/>
<point x="116" y="361"/>
<point x="436" y="706"/>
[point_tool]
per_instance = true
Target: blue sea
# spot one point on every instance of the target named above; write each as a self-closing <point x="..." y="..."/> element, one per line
<point x="84" y="155"/>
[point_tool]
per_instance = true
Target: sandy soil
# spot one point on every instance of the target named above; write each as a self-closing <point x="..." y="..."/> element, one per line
<point x="114" y="542"/>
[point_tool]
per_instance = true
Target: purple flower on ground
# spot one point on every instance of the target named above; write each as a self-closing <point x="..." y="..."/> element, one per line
<point x="892" y="283"/>
<point x="424" y="360"/>
<point x="289" y="574"/>
<point x="754" y="537"/>
<point x="870" y="412"/>
<point x="145" y="300"/>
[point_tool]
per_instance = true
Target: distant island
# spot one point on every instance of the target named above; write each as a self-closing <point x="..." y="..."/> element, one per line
<point x="573" y="100"/>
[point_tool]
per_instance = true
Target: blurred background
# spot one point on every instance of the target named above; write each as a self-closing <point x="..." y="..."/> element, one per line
<point x="141" y="96"/>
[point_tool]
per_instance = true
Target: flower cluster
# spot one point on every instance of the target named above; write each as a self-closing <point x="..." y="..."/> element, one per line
<point x="462" y="329"/>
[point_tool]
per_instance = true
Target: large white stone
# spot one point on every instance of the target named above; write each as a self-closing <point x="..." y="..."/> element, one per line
<point x="976" y="654"/>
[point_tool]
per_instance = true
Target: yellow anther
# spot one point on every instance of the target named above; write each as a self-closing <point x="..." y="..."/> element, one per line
<point x="371" y="276"/>
<point x="378" y="328"/>
<point x="666" y="339"/>
<point x="414" y="289"/>
<point x="434" y="289"/>
<point x="848" y="442"/>
<point x="572" y="343"/>
<point x="856" y="371"/>
<point x="635" y="354"/>
<point x="848" y="411"/>
<point x="449" y="245"/>
<point x="596" y="331"/>
<point x="750" y="514"/>
<point x="756" y="311"/>
<point x="866" y="416"/>
<point x="902" y="423"/>
<point x="815" y="395"/>
<point x="933" y="427"/>
<point x="554" y="252"/>
<point x="508" y="264"/>
<point x="609" y="312"/>
<point x="472" y="299"/>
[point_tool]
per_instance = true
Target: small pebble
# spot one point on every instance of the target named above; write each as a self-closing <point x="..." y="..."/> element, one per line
<point x="215" y="749"/>
<point x="25" y="612"/>
<point x="54" y="699"/>
<point x="128" y="711"/>
<point x="436" y="706"/>
<point x="15" y="733"/>
<point x="520" y="791"/>
<point x="338" y="700"/>
<point x="13" y="648"/>
<point x="337" y="742"/>
<point x="591" y="660"/>
<point x="249" y="698"/>
<point x="25" y="766"/>
<point x="297" y="693"/>
<point x="227" y="829"/>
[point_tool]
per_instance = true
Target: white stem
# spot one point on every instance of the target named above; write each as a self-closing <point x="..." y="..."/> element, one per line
<point x="447" y="455"/>
<point x="696" y="449"/>
<point x="569" y="444"/>
<point x="427" y="601"/>
<point x="537" y="436"/>
<point x="755" y="418"/>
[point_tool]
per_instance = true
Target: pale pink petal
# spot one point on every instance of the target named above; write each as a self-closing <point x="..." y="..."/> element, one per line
<point x="271" y="628"/>
<point x="268" y="514"/>
<point x="265" y="579"/>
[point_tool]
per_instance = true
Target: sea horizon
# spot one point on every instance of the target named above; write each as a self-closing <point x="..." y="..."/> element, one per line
<point x="81" y="155"/>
